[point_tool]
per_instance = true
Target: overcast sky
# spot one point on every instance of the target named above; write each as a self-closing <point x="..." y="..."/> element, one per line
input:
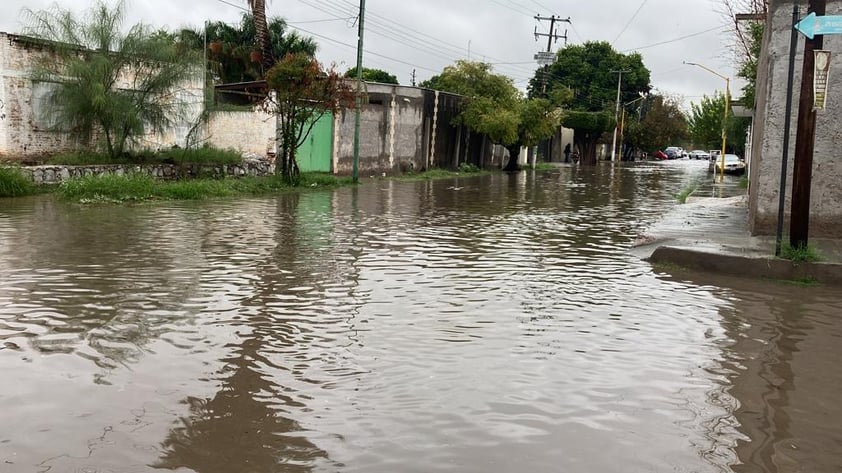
<point x="426" y="35"/>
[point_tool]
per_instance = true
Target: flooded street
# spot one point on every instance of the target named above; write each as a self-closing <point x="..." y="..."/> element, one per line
<point x="487" y="324"/>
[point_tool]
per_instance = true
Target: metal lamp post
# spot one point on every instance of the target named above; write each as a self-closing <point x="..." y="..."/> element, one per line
<point x="725" y="116"/>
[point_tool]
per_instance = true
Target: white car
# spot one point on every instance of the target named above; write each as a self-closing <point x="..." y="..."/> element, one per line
<point x="699" y="154"/>
<point x="733" y="164"/>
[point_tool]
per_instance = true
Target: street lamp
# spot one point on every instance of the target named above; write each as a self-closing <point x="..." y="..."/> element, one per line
<point x="725" y="116"/>
<point x="623" y="119"/>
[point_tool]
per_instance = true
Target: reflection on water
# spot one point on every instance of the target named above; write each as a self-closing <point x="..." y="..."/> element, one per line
<point x="484" y="324"/>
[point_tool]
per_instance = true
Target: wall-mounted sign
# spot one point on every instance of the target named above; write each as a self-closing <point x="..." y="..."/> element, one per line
<point x="821" y="70"/>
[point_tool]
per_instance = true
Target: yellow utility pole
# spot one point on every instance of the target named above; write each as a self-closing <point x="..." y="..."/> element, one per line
<point x="725" y="116"/>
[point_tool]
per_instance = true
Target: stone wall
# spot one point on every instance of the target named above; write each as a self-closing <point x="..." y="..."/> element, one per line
<point x="767" y="140"/>
<point x="58" y="174"/>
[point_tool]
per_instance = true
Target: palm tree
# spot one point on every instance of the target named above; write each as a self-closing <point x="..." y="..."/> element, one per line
<point x="258" y="11"/>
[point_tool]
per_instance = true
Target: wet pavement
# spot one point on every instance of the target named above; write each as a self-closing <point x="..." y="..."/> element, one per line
<point x="490" y="324"/>
<point x="711" y="232"/>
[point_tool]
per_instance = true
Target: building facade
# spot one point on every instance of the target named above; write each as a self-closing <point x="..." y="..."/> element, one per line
<point x="767" y="140"/>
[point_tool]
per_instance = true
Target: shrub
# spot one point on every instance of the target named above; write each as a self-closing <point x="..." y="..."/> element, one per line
<point x="109" y="187"/>
<point x="13" y="183"/>
<point x="802" y="254"/>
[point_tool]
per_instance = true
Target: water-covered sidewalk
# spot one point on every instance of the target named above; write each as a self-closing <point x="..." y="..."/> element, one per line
<point x="711" y="233"/>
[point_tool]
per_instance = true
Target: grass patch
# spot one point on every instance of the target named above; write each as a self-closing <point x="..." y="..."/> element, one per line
<point x="539" y="166"/>
<point x="437" y="173"/>
<point x="802" y="282"/>
<point x="138" y="187"/>
<point x="14" y="183"/>
<point x="685" y="193"/>
<point x="205" y="155"/>
<point x="801" y="254"/>
<point x="744" y="182"/>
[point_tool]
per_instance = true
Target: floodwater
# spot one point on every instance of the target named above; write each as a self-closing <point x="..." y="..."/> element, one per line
<point x="491" y="324"/>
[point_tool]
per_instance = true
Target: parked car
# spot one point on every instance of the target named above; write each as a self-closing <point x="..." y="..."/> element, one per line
<point x="714" y="153"/>
<point x="673" y="152"/>
<point x="733" y="165"/>
<point x="699" y="154"/>
<point x="660" y="155"/>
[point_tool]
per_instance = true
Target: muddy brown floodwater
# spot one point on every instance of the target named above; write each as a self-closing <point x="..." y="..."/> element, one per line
<point x="490" y="324"/>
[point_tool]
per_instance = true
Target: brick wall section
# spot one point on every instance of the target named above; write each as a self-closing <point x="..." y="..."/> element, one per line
<point x="21" y="138"/>
<point x="24" y="137"/>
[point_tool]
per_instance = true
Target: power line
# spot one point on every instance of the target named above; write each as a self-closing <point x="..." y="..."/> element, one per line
<point x="672" y="40"/>
<point x="629" y="22"/>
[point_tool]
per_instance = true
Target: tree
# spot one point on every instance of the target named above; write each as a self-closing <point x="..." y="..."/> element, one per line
<point x="748" y="38"/>
<point x="589" y="71"/>
<point x="301" y="93"/>
<point x="705" y="125"/>
<point x="659" y="122"/>
<point x="231" y="49"/>
<point x="494" y="107"/>
<point x="109" y="83"/>
<point x="258" y="11"/>
<point x="373" y="75"/>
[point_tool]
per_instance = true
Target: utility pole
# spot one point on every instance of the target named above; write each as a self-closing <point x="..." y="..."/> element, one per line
<point x="355" y="174"/>
<point x="413" y="77"/>
<point x="617" y="112"/>
<point x="793" y="42"/>
<point x="805" y="139"/>
<point x="552" y="35"/>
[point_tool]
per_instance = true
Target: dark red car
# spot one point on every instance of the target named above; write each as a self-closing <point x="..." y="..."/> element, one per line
<point x="660" y="155"/>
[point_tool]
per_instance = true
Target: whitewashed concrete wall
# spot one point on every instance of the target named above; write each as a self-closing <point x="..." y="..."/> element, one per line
<point x="25" y="129"/>
<point x="247" y="132"/>
<point x="767" y="140"/>
<point x="391" y="132"/>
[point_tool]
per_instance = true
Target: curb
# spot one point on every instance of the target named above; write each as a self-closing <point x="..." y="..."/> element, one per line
<point x="760" y="267"/>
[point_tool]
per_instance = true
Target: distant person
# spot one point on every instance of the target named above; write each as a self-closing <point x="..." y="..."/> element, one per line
<point x="567" y="153"/>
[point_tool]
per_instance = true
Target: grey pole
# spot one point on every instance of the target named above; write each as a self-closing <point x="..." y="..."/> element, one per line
<point x="356" y="170"/>
<point x="793" y="41"/>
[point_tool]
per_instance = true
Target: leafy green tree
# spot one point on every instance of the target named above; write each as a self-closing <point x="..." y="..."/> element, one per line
<point x="748" y="37"/>
<point x="233" y="52"/>
<point x="494" y="107"/>
<point x="705" y="125"/>
<point x="588" y="70"/>
<point x="373" y="75"/>
<point x="657" y="123"/>
<point x="748" y="66"/>
<point x="110" y="83"/>
<point x="302" y="92"/>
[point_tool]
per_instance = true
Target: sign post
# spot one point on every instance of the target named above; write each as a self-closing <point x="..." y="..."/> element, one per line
<point x="813" y="26"/>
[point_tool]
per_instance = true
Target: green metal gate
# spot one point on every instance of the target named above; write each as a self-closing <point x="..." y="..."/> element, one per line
<point x="315" y="154"/>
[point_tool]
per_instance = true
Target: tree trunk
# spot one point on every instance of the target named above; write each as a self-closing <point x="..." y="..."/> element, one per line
<point x="514" y="153"/>
<point x="258" y="11"/>
<point x="587" y="148"/>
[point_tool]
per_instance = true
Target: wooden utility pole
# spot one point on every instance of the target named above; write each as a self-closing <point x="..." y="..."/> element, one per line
<point x="805" y="139"/>
<point x="552" y="35"/>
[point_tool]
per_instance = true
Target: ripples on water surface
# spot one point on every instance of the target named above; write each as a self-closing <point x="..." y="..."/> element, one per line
<point x="486" y="324"/>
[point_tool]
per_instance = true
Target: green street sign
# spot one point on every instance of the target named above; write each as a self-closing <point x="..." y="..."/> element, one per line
<point x="812" y="25"/>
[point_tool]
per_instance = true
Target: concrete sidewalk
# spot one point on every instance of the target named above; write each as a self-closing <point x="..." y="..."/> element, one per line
<point x="711" y="234"/>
